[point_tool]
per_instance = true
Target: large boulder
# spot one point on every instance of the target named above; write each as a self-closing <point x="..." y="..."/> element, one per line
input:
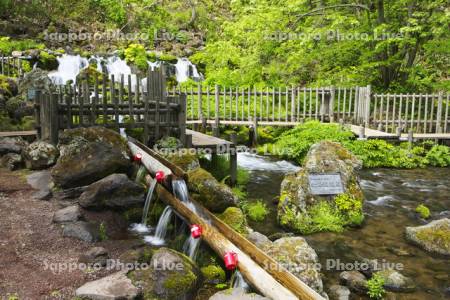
<point x="171" y="275"/>
<point x="12" y="145"/>
<point x="67" y="214"/>
<point x="214" y="195"/>
<point x="433" y="237"/>
<point x="116" y="286"/>
<point x="235" y="218"/>
<point x="40" y="155"/>
<point x="114" y="191"/>
<point x="82" y="230"/>
<point x="299" y="258"/>
<point x="302" y="211"/>
<point x="236" y="294"/>
<point x="89" y="154"/>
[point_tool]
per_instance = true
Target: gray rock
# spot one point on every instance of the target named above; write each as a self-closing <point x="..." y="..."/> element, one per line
<point x="171" y="275"/>
<point x="396" y="282"/>
<point x="40" y="155"/>
<point x="36" y="79"/>
<point x="236" y="294"/>
<point x="12" y="145"/>
<point x="299" y="258"/>
<point x="41" y="181"/>
<point x="81" y="230"/>
<point x="70" y="194"/>
<point x="113" y="287"/>
<point x="354" y="280"/>
<point x="214" y="195"/>
<point x="95" y="255"/>
<point x="260" y="240"/>
<point x="11" y="161"/>
<point x="339" y="292"/>
<point x="88" y="155"/>
<point x="43" y="195"/>
<point x="433" y="237"/>
<point x="68" y="214"/>
<point x="297" y="203"/>
<point x="114" y="191"/>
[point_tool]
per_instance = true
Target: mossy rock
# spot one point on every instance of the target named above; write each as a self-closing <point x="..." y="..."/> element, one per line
<point x="91" y="73"/>
<point x="47" y="61"/>
<point x="8" y="86"/>
<point x="304" y="212"/>
<point x="212" y="194"/>
<point x="213" y="274"/>
<point x="185" y="160"/>
<point x="168" y="58"/>
<point x="171" y="275"/>
<point x="235" y="218"/>
<point x="433" y="237"/>
<point x="90" y="154"/>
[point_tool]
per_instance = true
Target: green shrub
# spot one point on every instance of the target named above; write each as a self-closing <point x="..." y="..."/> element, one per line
<point x="7" y="45"/>
<point x="256" y="211"/>
<point x="136" y="54"/>
<point x="439" y="156"/>
<point x="423" y="211"/>
<point x="375" y="287"/>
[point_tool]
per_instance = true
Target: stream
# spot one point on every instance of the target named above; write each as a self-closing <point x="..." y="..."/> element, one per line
<point x="391" y="197"/>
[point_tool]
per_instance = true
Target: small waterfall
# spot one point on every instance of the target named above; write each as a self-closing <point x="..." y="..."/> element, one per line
<point x="148" y="201"/>
<point x="190" y="247"/>
<point x="181" y="190"/>
<point x="161" y="228"/>
<point x="239" y="281"/>
<point x="185" y="69"/>
<point x="68" y="69"/>
<point x="140" y="175"/>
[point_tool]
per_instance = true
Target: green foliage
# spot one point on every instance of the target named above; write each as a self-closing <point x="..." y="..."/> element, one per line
<point x="7" y="45"/>
<point x="136" y="54"/>
<point x="213" y="274"/>
<point x="256" y="211"/>
<point x="375" y="287"/>
<point x="439" y="156"/>
<point x="294" y="144"/>
<point x="423" y="211"/>
<point x="235" y="218"/>
<point x="47" y="61"/>
<point x="102" y="232"/>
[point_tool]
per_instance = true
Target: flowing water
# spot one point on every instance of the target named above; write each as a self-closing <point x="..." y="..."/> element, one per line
<point x="190" y="247"/>
<point x="391" y="197"/>
<point x="238" y="281"/>
<point x="161" y="229"/>
<point x="140" y="175"/>
<point x="71" y="65"/>
<point x="142" y="227"/>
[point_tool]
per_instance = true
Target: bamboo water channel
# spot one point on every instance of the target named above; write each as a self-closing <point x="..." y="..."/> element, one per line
<point x="264" y="273"/>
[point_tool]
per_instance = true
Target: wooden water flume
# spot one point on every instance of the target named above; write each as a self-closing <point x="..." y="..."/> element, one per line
<point x="260" y="270"/>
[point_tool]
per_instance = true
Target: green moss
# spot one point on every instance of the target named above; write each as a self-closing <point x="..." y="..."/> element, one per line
<point x="439" y="236"/>
<point x="423" y="211"/>
<point x="136" y="54"/>
<point x="235" y="218"/>
<point x="256" y="211"/>
<point x="186" y="161"/>
<point x="47" y="61"/>
<point x="168" y="57"/>
<point x="213" y="274"/>
<point x="178" y="283"/>
<point x="91" y="73"/>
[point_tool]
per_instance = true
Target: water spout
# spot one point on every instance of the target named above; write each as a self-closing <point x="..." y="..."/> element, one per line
<point x="148" y="201"/>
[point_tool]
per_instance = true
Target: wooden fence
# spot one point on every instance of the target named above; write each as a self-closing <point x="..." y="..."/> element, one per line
<point x="114" y="104"/>
<point x="11" y="66"/>
<point x="423" y="113"/>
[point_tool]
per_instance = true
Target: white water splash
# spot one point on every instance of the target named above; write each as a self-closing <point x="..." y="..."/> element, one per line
<point x="68" y="69"/>
<point x="140" y="228"/>
<point x="255" y="162"/>
<point x="185" y="70"/>
<point x="381" y="201"/>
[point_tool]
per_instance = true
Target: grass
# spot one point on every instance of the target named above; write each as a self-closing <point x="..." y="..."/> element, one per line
<point x="256" y="211"/>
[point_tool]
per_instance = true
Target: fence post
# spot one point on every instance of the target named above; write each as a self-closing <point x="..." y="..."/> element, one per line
<point x="439" y="113"/>
<point x="182" y="119"/>
<point x="37" y="112"/>
<point x="49" y="118"/>
<point x="367" y="105"/>
<point x="331" y="104"/>
<point x="216" y="108"/>
<point x="199" y="95"/>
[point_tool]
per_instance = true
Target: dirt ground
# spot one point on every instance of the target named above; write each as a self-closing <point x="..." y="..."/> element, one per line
<point x="30" y="243"/>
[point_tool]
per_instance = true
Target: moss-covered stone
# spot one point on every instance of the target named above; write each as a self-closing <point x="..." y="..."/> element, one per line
<point x="433" y="237"/>
<point x="213" y="274"/>
<point x="90" y="73"/>
<point x="212" y="194"/>
<point x="185" y="160"/>
<point x="47" y="61"/>
<point x="302" y="211"/>
<point x="235" y="218"/>
<point x="171" y="275"/>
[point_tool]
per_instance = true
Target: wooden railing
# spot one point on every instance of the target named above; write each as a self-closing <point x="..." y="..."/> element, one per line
<point x="11" y="66"/>
<point x="421" y="113"/>
<point x="105" y="102"/>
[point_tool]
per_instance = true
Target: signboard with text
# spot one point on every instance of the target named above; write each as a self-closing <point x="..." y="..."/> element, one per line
<point x="325" y="184"/>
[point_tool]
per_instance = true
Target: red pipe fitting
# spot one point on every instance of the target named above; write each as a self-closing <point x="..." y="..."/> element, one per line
<point x="196" y="231"/>
<point x="137" y="157"/>
<point x="231" y="260"/>
<point x="160" y="176"/>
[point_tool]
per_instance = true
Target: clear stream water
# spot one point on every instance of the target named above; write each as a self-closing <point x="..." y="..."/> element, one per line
<point x="391" y="197"/>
